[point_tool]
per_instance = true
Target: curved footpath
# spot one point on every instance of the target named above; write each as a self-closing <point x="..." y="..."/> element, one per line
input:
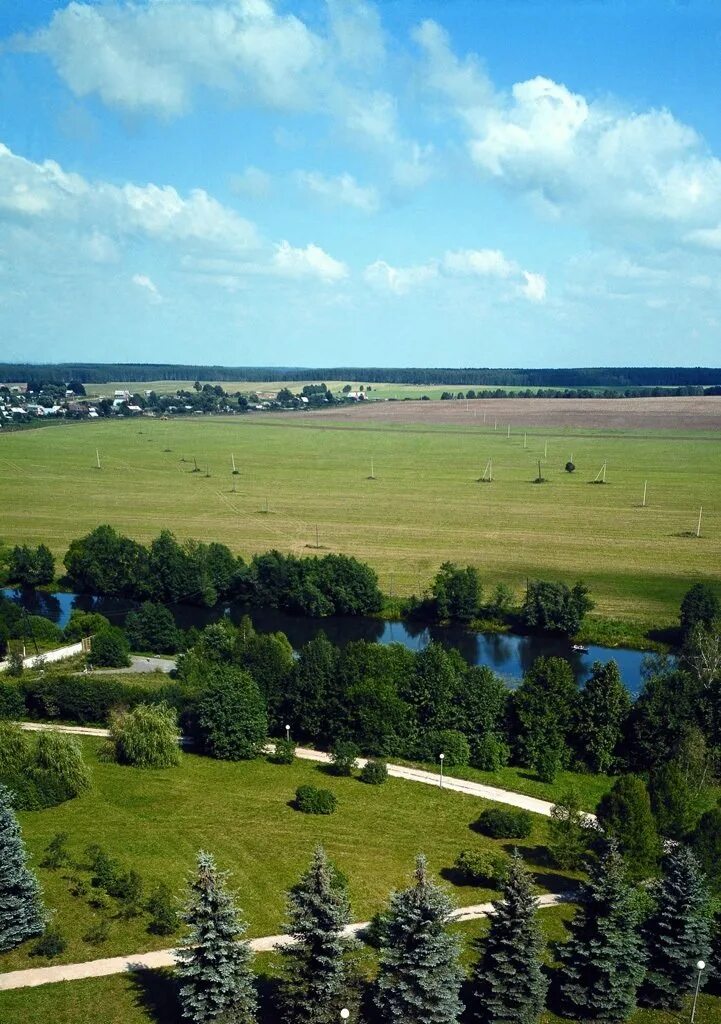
<point x="167" y="957"/>
<point x="477" y="789"/>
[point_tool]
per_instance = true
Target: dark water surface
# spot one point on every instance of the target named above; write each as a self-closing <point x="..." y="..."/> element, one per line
<point x="507" y="654"/>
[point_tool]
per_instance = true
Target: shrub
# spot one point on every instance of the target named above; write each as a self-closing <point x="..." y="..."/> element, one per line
<point x="110" y="648"/>
<point x="449" y="742"/>
<point x="479" y="867"/>
<point x="59" y="762"/>
<point x="56" y="852"/>
<point x="98" y="933"/>
<point x="50" y="944"/>
<point x="82" y="624"/>
<point x="311" y="800"/>
<point x="490" y="753"/>
<point x="502" y="823"/>
<point x="374" y="772"/>
<point x="344" y="758"/>
<point x="164" y="917"/>
<point x="146" y="737"/>
<point x="232" y="723"/>
<point x="11" y="702"/>
<point x="87" y="700"/>
<point x="284" y="752"/>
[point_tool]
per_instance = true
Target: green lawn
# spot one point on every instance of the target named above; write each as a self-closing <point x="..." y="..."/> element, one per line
<point x="148" y="997"/>
<point x="424" y="506"/>
<point x="156" y="821"/>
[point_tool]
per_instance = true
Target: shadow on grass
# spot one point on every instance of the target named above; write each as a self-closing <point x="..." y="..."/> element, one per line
<point x="156" y="992"/>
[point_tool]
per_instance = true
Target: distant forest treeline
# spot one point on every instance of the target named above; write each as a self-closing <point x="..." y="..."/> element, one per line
<point x="584" y="377"/>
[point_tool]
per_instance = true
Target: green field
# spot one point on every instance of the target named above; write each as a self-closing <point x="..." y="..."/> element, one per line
<point x="424" y="506"/>
<point x="156" y="821"/>
<point x="268" y="387"/>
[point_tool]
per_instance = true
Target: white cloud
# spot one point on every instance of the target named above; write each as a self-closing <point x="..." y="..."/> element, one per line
<point x="45" y="191"/>
<point x="309" y="262"/>
<point x="342" y="189"/>
<point x="535" y="286"/>
<point x="479" y="263"/>
<point x="253" y="183"/>
<point x="588" y="159"/>
<point x="399" y="280"/>
<point x="483" y="265"/>
<point x="146" y="284"/>
<point x="152" y="56"/>
<point x="706" y="238"/>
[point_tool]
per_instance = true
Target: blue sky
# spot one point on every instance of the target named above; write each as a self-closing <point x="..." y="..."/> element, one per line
<point x="406" y="182"/>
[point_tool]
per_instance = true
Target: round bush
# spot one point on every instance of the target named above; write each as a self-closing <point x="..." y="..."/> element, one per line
<point x="110" y="648"/>
<point x="490" y="753"/>
<point x="59" y="760"/>
<point x="505" y="824"/>
<point x="311" y="800"/>
<point x="480" y="867"/>
<point x="284" y="752"/>
<point x="374" y="772"/>
<point x="146" y="737"/>
<point x="449" y="742"/>
<point x="344" y="758"/>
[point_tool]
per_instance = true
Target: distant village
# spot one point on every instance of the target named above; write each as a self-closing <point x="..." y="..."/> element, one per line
<point x="22" y="402"/>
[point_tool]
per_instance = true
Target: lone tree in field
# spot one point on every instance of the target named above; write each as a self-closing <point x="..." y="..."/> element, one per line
<point x="231" y="717"/>
<point x="419" y="976"/>
<point x="146" y="737"/>
<point x="22" y="914"/>
<point x="509" y="986"/>
<point x="602" y="964"/>
<point x="214" y="965"/>
<point x="314" y="975"/>
<point x="678" y="931"/>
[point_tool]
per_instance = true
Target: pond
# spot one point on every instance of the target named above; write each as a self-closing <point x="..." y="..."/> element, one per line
<point x="508" y="654"/>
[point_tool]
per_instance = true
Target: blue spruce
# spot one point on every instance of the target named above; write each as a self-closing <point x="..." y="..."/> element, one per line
<point x="678" y="932"/>
<point x="22" y="914"/>
<point x="314" y="971"/>
<point x="508" y="985"/>
<point x="602" y="963"/>
<point x="214" y="966"/>
<point x="419" y="976"/>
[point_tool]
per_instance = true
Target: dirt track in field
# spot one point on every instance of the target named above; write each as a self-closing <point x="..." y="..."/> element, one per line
<point x="596" y="413"/>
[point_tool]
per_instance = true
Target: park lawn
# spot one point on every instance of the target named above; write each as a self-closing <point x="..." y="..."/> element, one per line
<point x="425" y="505"/>
<point x="148" y="997"/>
<point x="155" y="821"/>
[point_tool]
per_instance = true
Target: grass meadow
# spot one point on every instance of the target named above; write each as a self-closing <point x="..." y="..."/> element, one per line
<point x="425" y="505"/>
<point x="155" y="821"/>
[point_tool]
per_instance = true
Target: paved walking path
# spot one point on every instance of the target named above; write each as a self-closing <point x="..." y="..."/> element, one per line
<point x="167" y="957"/>
<point x="477" y="789"/>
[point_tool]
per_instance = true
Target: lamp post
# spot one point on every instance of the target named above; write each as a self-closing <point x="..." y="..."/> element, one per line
<point x="441" y="758"/>
<point x="287" y="733"/>
<point x="701" y="965"/>
<point x="344" y="1014"/>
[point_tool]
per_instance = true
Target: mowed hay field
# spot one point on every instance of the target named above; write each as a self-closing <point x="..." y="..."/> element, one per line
<point x="424" y="506"/>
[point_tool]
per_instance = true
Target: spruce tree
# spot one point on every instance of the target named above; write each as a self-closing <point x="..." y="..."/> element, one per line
<point x="678" y="931"/>
<point x="22" y="914"/>
<point x="314" y="976"/>
<point x="419" y="976"/>
<point x="214" y="964"/>
<point x="602" y="963"/>
<point x="509" y="986"/>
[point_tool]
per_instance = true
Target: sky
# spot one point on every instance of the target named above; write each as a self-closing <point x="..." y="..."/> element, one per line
<point x="358" y="183"/>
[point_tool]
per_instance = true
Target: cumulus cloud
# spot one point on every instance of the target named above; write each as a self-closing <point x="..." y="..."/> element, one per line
<point x="152" y="56"/>
<point x="312" y="261"/>
<point x="45" y="191"/>
<point x="487" y="265"/>
<point x="146" y="284"/>
<point x="590" y="160"/>
<point x="341" y="190"/>
<point x="253" y="183"/>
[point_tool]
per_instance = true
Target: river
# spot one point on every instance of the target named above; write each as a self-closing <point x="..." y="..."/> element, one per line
<point x="507" y="654"/>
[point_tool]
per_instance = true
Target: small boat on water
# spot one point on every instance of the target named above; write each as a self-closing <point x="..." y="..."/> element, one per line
<point x="580" y="648"/>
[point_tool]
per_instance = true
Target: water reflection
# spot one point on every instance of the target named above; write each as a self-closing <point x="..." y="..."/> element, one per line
<point x="509" y="655"/>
